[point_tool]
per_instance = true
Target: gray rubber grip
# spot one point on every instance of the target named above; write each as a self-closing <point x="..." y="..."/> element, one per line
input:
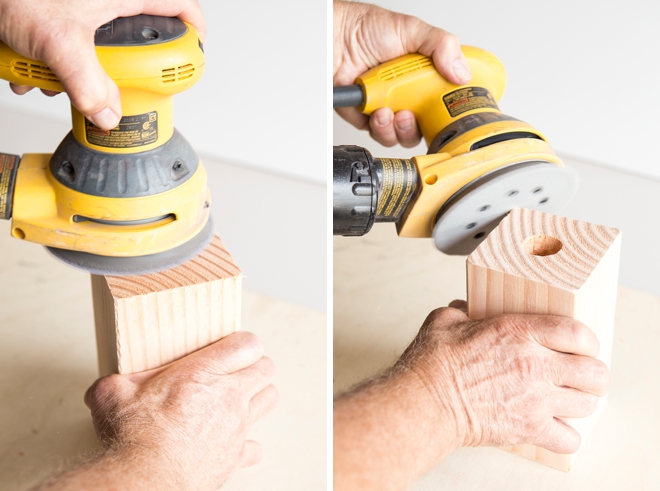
<point x="347" y="96"/>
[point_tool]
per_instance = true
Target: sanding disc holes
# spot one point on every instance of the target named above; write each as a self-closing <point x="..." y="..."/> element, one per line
<point x="542" y="245"/>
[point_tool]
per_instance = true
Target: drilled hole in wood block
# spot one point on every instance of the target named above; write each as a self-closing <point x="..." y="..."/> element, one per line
<point x="542" y="245"/>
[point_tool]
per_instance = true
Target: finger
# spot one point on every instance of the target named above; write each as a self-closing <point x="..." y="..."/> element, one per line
<point x="442" y="46"/>
<point x="257" y="376"/>
<point x="20" y="89"/>
<point x="573" y="403"/>
<point x="50" y="93"/>
<point x="73" y="59"/>
<point x="583" y="373"/>
<point x="406" y="129"/>
<point x="562" y="334"/>
<point x="263" y="403"/>
<point x="251" y="454"/>
<point x="354" y="117"/>
<point x="559" y="437"/>
<point x="232" y="353"/>
<point x="381" y="124"/>
<point x="189" y="12"/>
<point x="459" y="304"/>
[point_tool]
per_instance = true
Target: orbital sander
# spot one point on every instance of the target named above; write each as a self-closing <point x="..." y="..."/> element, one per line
<point x="130" y="200"/>
<point x="480" y="163"/>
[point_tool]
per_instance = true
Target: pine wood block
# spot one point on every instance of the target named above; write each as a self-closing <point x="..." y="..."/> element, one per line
<point x="537" y="263"/>
<point x="147" y="321"/>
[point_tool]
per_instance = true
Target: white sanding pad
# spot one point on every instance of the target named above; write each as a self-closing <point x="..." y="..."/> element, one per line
<point x="469" y="216"/>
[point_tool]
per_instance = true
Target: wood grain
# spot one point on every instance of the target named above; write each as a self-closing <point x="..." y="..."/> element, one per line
<point x="537" y="263"/>
<point x="147" y="321"/>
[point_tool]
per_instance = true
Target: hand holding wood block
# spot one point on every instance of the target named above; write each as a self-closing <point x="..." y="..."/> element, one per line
<point x="147" y="321"/>
<point x="537" y="263"/>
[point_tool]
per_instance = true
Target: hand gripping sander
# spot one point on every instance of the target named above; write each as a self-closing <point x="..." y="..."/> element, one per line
<point x="131" y="200"/>
<point x="480" y="163"/>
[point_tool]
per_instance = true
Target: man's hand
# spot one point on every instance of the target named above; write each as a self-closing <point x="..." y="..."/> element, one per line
<point x="505" y="380"/>
<point x="179" y="427"/>
<point x="510" y="379"/>
<point x="366" y="36"/>
<point x="61" y="34"/>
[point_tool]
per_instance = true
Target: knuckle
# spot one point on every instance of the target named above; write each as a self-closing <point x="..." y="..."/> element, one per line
<point x="443" y="314"/>
<point x="248" y="340"/>
<point x="590" y="403"/>
<point x="448" y="39"/>
<point x="583" y="336"/>
<point x="267" y="366"/>
<point x="528" y="366"/>
<point x="106" y="386"/>
<point x="601" y="376"/>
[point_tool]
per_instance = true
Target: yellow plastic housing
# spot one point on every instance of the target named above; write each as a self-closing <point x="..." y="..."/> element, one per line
<point x="411" y="82"/>
<point x="43" y="212"/>
<point x="147" y="76"/>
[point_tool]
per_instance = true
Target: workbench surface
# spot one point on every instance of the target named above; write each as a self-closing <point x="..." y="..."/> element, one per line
<point x="48" y="359"/>
<point x="384" y="286"/>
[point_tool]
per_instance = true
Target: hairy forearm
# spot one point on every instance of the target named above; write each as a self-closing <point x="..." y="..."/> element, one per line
<point x="117" y="470"/>
<point x="389" y="432"/>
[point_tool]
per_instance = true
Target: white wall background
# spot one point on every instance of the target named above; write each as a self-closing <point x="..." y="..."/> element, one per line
<point x="584" y="72"/>
<point x="262" y="100"/>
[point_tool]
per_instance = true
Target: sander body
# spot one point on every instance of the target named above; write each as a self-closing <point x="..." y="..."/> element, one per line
<point x="480" y="163"/>
<point x="130" y="200"/>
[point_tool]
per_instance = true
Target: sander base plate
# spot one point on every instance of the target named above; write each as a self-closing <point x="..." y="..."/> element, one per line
<point x="129" y="266"/>
<point x="475" y="210"/>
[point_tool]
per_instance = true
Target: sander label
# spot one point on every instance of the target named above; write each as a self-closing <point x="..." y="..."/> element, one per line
<point x="132" y="131"/>
<point x="8" y="169"/>
<point x="398" y="186"/>
<point x="467" y="99"/>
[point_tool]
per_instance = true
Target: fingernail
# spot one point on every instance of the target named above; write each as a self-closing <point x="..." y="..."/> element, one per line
<point x="383" y="119"/>
<point x="461" y="70"/>
<point x="105" y="119"/>
<point x="404" y="125"/>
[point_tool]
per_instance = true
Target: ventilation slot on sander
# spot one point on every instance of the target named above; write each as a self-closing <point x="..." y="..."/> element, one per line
<point x="33" y="71"/>
<point x="177" y="74"/>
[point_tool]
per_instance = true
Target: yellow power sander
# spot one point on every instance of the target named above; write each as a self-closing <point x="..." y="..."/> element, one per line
<point x="480" y="162"/>
<point x="131" y="200"/>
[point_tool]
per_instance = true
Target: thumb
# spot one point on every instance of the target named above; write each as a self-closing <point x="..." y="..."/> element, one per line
<point x="73" y="59"/>
<point x="443" y="47"/>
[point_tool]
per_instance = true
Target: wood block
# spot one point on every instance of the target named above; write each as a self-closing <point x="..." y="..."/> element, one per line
<point x="147" y="321"/>
<point x="537" y="263"/>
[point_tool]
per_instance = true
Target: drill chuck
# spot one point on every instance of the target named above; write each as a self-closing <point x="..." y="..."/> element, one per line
<point x="368" y="190"/>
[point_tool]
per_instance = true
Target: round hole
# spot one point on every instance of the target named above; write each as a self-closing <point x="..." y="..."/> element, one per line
<point x="471" y="225"/>
<point x="537" y="190"/>
<point x="543" y="201"/>
<point x="479" y="235"/>
<point x="512" y="193"/>
<point x="542" y="245"/>
<point x="18" y="233"/>
<point x="149" y="33"/>
<point x="484" y="208"/>
<point x="431" y="179"/>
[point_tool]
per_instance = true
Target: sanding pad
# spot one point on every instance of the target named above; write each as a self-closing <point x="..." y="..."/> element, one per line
<point x="127" y="266"/>
<point x="475" y="210"/>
